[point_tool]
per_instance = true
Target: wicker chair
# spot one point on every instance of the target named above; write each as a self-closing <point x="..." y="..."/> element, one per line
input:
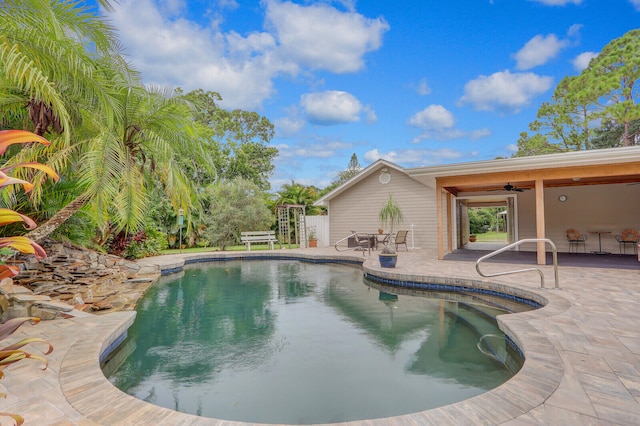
<point x="628" y="237"/>
<point x="575" y="240"/>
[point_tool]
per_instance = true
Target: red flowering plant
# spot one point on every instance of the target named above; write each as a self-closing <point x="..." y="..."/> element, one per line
<point x="9" y="245"/>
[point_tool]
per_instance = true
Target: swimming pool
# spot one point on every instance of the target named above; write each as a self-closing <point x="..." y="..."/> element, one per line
<point x="293" y="342"/>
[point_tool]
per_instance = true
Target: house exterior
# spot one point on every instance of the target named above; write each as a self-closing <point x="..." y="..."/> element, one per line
<point x="596" y="190"/>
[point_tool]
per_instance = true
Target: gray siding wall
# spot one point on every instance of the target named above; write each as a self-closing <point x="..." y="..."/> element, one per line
<point x="357" y="209"/>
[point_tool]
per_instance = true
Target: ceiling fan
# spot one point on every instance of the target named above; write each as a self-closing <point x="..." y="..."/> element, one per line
<point x="508" y="187"/>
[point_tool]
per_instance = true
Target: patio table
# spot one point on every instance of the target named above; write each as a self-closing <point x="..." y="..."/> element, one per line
<point x="381" y="238"/>
<point x="600" y="242"/>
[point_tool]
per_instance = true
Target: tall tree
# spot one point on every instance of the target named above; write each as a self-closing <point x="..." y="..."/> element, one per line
<point x="232" y="207"/>
<point x="605" y="94"/>
<point x="535" y="144"/>
<point x="566" y="120"/>
<point x="612" y="79"/>
<point x="353" y="168"/>
<point x="238" y="139"/>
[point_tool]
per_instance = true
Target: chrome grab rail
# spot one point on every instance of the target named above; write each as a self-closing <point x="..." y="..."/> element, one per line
<point x="517" y="243"/>
<point x="356" y="248"/>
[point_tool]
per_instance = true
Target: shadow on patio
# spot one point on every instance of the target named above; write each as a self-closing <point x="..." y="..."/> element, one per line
<point x="588" y="260"/>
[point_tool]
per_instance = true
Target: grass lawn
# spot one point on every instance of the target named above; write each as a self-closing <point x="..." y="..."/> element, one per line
<point x="492" y="236"/>
<point x="254" y="247"/>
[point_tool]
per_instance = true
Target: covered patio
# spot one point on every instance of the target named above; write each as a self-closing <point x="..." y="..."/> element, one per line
<point x="596" y="191"/>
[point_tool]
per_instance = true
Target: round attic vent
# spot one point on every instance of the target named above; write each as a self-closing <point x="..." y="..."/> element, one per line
<point x="385" y="177"/>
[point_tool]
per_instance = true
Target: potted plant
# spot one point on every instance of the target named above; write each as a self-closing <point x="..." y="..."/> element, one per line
<point x="472" y="238"/>
<point x="390" y="217"/>
<point x="312" y="236"/>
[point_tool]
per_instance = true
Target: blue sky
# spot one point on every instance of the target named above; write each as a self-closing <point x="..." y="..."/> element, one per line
<point x="418" y="82"/>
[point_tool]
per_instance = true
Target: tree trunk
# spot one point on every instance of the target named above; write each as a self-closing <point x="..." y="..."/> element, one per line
<point x="58" y="219"/>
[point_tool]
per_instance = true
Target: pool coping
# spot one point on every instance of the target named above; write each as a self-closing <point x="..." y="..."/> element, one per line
<point x="91" y="394"/>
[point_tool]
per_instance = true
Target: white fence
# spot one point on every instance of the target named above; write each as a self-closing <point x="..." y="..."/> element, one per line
<point x="321" y="224"/>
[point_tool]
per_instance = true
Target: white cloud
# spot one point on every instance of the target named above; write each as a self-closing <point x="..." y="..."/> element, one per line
<point x="574" y="30"/>
<point x="538" y="51"/>
<point x="581" y="61"/>
<point x="558" y="2"/>
<point x="171" y="51"/>
<point x="504" y="91"/>
<point x="479" y="134"/>
<point x="321" y="37"/>
<point x="370" y="115"/>
<point x="331" y="107"/>
<point x="423" y="87"/>
<point x="415" y="157"/>
<point x="636" y="4"/>
<point x="287" y="126"/>
<point x="433" y="117"/>
<point x="437" y="123"/>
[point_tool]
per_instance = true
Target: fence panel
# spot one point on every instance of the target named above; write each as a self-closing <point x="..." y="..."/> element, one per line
<point x="321" y="224"/>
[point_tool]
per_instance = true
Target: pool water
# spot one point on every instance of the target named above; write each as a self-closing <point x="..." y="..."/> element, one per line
<point x="300" y="343"/>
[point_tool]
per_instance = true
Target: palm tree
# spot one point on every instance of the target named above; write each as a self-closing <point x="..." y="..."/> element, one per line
<point x="111" y="136"/>
<point x="50" y="55"/>
<point x="295" y="193"/>
<point x="119" y="166"/>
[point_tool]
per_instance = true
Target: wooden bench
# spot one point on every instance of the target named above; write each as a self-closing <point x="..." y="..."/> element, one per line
<point x="258" y="237"/>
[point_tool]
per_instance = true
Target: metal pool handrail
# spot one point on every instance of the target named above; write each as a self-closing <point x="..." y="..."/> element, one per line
<point x="357" y="248"/>
<point x="517" y="243"/>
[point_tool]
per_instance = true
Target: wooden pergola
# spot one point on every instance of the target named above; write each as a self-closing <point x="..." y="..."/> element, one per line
<point x="538" y="179"/>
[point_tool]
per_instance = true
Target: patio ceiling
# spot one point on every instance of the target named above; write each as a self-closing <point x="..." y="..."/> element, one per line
<point x="550" y="177"/>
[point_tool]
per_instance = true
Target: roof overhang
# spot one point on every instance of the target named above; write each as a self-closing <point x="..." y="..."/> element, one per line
<point x="594" y="167"/>
<point x="578" y="168"/>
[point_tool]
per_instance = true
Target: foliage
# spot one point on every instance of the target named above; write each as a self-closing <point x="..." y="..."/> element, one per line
<point x="236" y="139"/>
<point x="536" y="144"/>
<point x="352" y="170"/>
<point x="597" y="108"/>
<point x="13" y="353"/>
<point x="116" y="142"/>
<point x="312" y="233"/>
<point x="298" y="194"/>
<point x="7" y="216"/>
<point x="232" y="207"/>
<point x="611" y="134"/>
<point x="45" y="64"/>
<point x="390" y="216"/>
<point x="149" y="242"/>
<point x="483" y="219"/>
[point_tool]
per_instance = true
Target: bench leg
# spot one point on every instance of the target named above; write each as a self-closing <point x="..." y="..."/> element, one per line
<point x="271" y="245"/>
<point x="248" y="246"/>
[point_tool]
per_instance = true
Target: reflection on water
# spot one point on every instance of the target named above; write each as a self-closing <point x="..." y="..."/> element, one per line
<point x="292" y="342"/>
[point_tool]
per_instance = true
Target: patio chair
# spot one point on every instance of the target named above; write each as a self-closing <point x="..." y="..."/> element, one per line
<point x="575" y="239"/>
<point x="363" y="242"/>
<point x="401" y="238"/>
<point x="628" y="237"/>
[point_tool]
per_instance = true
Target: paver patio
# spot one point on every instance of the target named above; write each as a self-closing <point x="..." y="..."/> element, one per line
<point x="582" y="354"/>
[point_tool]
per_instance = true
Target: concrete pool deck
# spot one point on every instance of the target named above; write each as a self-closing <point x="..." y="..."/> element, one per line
<point x="582" y="352"/>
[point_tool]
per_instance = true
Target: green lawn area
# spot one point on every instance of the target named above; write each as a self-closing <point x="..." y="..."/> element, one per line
<point x="492" y="236"/>
<point x="254" y="247"/>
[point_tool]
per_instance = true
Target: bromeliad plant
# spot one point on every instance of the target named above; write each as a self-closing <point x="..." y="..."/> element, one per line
<point x="9" y="245"/>
<point x="14" y="353"/>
